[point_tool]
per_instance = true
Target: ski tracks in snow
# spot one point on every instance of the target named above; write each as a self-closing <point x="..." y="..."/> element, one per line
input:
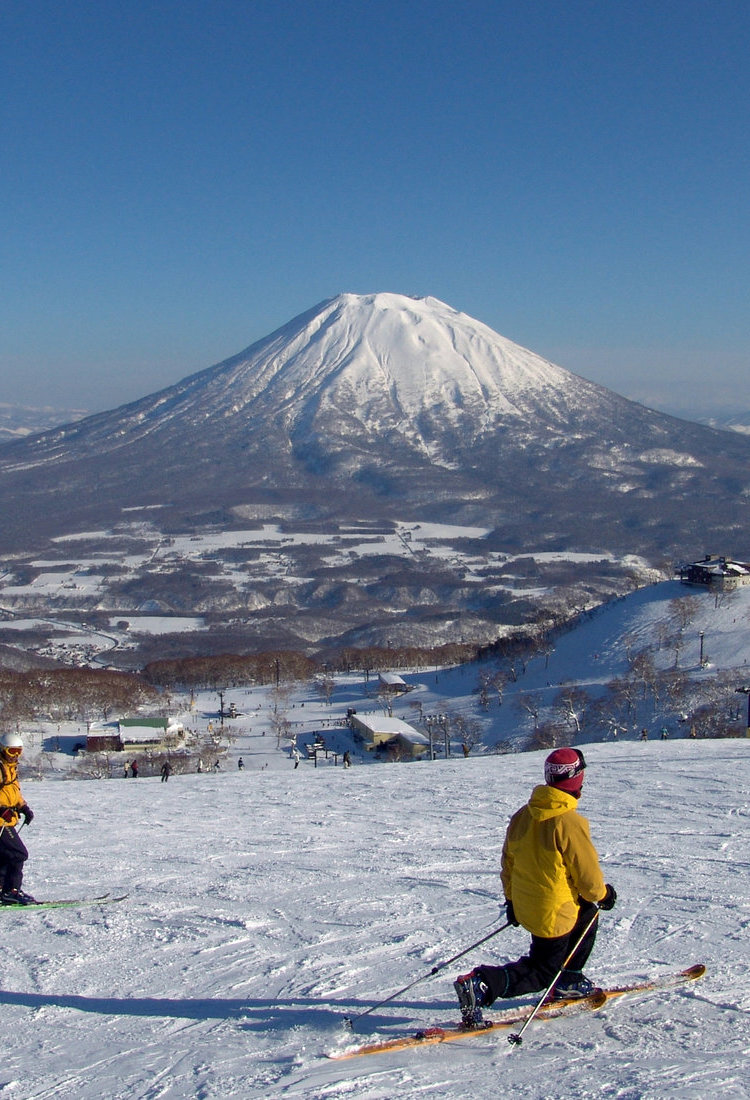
<point x="262" y="912"/>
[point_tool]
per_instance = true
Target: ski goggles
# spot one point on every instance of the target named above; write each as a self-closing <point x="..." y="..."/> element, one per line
<point x="13" y="750"/>
<point x="578" y="768"/>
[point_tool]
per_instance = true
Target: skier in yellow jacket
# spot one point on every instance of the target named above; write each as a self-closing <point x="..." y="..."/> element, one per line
<point x="553" y="887"/>
<point x="13" y="806"/>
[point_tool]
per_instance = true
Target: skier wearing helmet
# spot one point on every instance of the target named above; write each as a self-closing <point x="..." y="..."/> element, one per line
<point x="553" y="888"/>
<point x="13" y="853"/>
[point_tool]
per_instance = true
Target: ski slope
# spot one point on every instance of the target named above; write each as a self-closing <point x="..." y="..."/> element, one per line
<point x="266" y="904"/>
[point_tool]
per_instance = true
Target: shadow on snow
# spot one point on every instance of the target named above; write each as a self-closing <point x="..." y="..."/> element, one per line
<point x="257" y="1015"/>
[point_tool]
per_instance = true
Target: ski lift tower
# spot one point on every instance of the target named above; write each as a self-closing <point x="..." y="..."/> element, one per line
<point x="745" y="691"/>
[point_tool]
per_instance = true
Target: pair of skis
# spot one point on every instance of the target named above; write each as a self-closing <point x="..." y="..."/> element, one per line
<point x="513" y="1018"/>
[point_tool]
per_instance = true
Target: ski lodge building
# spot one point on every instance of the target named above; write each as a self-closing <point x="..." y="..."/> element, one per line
<point x="376" y="731"/>
<point x="135" y="735"/>
<point x="716" y="572"/>
<point x="392" y="683"/>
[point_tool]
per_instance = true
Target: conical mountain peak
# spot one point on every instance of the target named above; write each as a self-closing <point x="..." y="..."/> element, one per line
<point x="388" y="363"/>
<point x="380" y="403"/>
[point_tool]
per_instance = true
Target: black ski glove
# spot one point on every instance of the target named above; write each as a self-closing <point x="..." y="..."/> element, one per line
<point x="609" y="899"/>
<point x="26" y="813"/>
<point x="510" y="916"/>
<point x="6" y="814"/>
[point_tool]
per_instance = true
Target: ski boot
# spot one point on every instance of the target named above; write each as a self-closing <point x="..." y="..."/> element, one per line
<point x="472" y="993"/>
<point x="16" y="897"/>
<point x="571" y="985"/>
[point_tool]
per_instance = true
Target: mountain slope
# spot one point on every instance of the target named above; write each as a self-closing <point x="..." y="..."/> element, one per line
<point x="353" y="883"/>
<point x="380" y="363"/>
<point x="406" y="399"/>
<point x="367" y="412"/>
<point x="229" y="973"/>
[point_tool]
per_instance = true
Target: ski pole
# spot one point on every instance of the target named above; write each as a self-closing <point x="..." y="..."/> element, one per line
<point x="517" y="1037"/>
<point x="350" y="1021"/>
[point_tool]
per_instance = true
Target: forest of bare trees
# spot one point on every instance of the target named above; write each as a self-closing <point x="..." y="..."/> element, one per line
<point x="64" y="694"/>
<point x="231" y="670"/>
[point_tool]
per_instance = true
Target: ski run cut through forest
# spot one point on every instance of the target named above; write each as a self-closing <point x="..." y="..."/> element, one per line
<point x="267" y="904"/>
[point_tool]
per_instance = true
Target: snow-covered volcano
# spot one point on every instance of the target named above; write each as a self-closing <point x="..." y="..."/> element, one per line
<point x="387" y="363"/>
<point x="353" y="371"/>
<point x="389" y="407"/>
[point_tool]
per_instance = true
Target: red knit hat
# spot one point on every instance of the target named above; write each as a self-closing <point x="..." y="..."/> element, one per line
<point x="563" y="769"/>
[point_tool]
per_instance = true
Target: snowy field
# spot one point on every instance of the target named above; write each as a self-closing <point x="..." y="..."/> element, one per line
<point x="265" y="905"/>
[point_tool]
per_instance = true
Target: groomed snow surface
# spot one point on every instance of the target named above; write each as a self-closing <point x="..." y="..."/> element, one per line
<point x="267" y="904"/>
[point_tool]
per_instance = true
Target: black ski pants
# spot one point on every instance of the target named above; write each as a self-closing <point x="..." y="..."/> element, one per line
<point x="13" y="855"/>
<point x="535" y="971"/>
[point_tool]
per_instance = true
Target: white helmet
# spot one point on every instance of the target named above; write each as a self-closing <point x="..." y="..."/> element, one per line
<point x="11" y="741"/>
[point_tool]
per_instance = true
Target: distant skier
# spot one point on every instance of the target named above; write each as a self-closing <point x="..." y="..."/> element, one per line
<point x="240" y="763"/>
<point x="13" y="806"/>
<point x="134" y="769"/>
<point x="166" y="771"/>
<point x="553" y="887"/>
<point x="347" y="759"/>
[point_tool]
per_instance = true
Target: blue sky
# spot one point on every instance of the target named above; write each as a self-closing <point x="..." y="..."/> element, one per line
<point x="179" y="178"/>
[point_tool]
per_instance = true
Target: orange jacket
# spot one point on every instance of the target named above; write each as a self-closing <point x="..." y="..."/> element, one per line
<point x="10" y="791"/>
<point x="549" y="862"/>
